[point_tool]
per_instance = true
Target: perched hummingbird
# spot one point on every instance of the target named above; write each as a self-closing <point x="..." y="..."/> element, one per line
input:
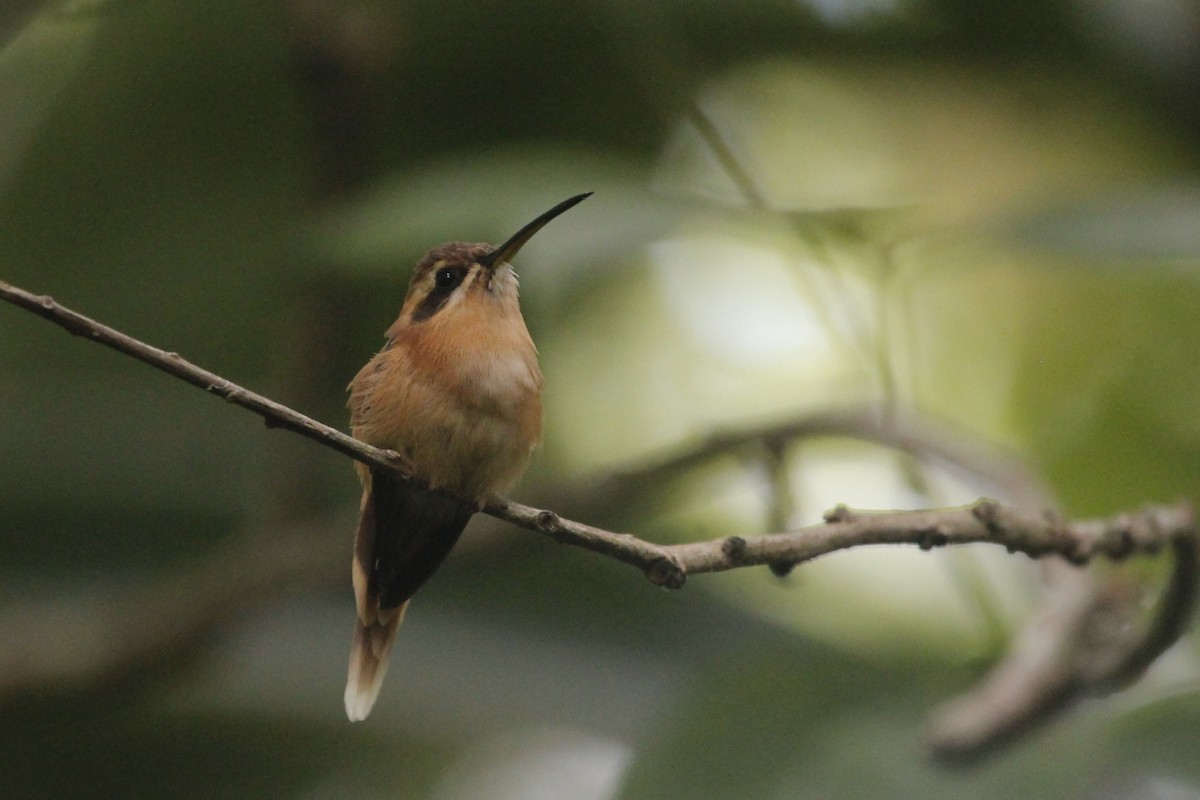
<point x="456" y="390"/>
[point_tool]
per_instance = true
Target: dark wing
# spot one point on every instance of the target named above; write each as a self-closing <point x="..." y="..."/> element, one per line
<point x="414" y="532"/>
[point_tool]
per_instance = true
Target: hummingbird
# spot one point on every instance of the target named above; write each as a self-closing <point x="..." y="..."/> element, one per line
<point x="456" y="390"/>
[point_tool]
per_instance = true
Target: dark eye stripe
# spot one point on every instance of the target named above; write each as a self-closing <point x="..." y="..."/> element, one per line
<point x="445" y="281"/>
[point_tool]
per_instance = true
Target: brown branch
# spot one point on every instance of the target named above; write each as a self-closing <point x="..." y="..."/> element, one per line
<point x="274" y="414"/>
<point x="620" y="546"/>
<point x="1031" y="684"/>
<point x="1175" y="612"/>
<point x="1056" y="663"/>
<point x="984" y="522"/>
<point x="669" y="566"/>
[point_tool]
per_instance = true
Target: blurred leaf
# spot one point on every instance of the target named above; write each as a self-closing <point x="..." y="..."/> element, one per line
<point x="487" y="196"/>
<point x="715" y="323"/>
<point x="159" y="170"/>
<point x="34" y="69"/>
<point x="952" y="142"/>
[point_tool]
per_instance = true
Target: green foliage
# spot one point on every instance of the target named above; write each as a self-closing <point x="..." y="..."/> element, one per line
<point x="930" y="206"/>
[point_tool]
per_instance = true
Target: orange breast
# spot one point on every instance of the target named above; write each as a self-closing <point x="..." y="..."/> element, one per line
<point x="462" y="401"/>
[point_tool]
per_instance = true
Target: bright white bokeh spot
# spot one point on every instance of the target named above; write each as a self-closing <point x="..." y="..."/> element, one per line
<point x="740" y="301"/>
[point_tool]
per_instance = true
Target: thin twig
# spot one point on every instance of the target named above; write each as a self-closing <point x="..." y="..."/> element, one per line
<point x="1035" y="535"/>
<point x="725" y="155"/>
<point x="273" y="413"/>
<point x="942" y="443"/>
<point x="1176" y="604"/>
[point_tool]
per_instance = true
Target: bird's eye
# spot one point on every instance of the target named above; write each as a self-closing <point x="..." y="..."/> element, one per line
<point x="447" y="278"/>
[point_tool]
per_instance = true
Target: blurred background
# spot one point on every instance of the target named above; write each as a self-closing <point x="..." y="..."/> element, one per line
<point x="979" y="220"/>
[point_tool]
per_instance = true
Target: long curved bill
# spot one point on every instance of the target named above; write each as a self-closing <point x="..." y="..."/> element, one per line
<point x="508" y="250"/>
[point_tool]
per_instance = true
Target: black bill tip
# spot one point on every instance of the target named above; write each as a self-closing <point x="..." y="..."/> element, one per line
<point x="508" y="250"/>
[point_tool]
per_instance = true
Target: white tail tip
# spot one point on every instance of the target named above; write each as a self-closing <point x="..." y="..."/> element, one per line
<point x="369" y="662"/>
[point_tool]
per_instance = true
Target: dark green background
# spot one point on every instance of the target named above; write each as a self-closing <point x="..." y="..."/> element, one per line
<point x="984" y="212"/>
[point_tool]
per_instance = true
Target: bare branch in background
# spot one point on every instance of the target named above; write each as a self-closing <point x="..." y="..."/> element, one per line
<point x="937" y="443"/>
<point x="72" y="640"/>
<point x="1085" y="644"/>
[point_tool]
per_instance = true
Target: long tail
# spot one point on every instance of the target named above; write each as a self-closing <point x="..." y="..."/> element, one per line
<point x="403" y="536"/>
<point x="369" y="661"/>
